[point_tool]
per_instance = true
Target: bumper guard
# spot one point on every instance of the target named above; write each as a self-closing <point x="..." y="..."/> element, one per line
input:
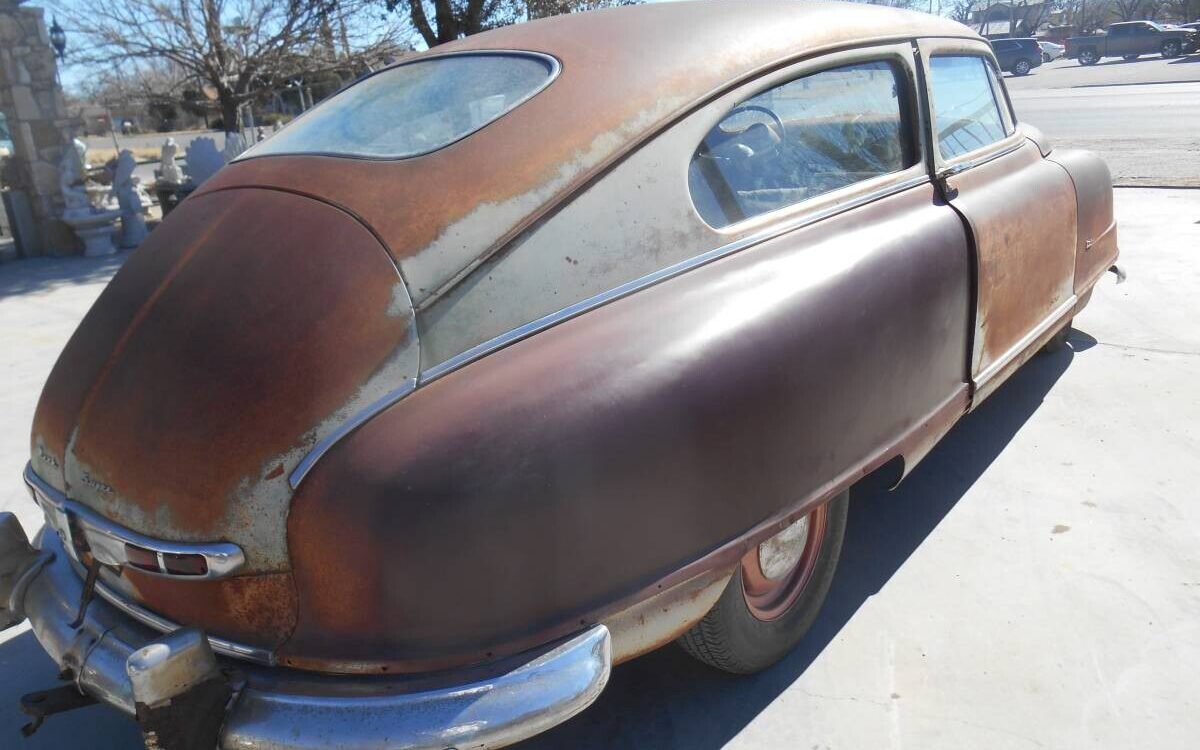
<point x="280" y="709"/>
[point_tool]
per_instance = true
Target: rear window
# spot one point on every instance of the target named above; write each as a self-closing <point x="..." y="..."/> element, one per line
<point x="416" y="107"/>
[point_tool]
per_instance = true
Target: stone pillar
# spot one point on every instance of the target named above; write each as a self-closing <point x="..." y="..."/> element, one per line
<point x="32" y="102"/>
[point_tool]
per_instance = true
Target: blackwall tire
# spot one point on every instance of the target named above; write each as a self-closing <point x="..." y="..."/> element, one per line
<point x="1058" y="341"/>
<point x="1171" y="48"/>
<point x="1088" y="57"/>
<point x="1022" y="67"/>
<point x="733" y="638"/>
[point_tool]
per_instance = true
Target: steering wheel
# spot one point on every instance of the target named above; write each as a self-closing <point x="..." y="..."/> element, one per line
<point x="752" y="141"/>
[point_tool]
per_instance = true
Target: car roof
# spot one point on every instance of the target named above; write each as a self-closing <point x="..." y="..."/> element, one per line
<point x="671" y="34"/>
<point x="626" y="74"/>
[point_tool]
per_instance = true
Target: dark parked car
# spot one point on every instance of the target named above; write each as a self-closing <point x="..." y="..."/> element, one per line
<point x="1130" y="40"/>
<point x="530" y="354"/>
<point x="1017" y="56"/>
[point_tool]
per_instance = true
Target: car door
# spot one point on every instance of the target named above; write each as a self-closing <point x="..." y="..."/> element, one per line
<point x="1143" y="40"/>
<point x="1004" y="53"/>
<point x="1120" y="38"/>
<point x="1020" y="209"/>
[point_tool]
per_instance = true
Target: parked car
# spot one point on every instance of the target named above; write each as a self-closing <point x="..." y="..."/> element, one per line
<point x="1130" y="40"/>
<point x="1051" y="51"/>
<point x="532" y="353"/>
<point x="1017" y="56"/>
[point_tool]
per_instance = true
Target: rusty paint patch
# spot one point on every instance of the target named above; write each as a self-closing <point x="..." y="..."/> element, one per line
<point x="281" y="318"/>
<point x="255" y="610"/>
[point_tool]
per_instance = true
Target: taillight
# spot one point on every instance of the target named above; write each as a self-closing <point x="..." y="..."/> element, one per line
<point x="185" y="564"/>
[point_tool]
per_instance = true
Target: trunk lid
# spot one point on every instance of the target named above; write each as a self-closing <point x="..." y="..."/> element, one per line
<point x="248" y="327"/>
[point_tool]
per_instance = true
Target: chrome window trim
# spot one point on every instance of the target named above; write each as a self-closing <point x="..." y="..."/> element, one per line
<point x="959" y="166"/>
<point x="524" y="331"/>
<point x="107" y="540"/>
<point x="551" y="61"/>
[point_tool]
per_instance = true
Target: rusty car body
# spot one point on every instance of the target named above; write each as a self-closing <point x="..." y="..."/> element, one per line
<point x="419" y="444"/>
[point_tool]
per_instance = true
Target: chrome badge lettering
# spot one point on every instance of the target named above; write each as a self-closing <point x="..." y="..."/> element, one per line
<point x="45" y="457"/>
<point x="96" y="484"/>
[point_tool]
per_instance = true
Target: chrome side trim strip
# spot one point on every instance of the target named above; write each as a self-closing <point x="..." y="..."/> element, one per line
<point x="322" y="447"/>
<point x="571" y="311"/>
<point x="989" y="372"/>
<point x="107" y="540"/>
<point x="624" y="290"/>
<point x="162" y="624"/>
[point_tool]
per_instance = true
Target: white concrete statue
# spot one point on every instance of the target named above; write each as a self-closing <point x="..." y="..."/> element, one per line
<point x="234" y="145"/>
<point x="203" y="159"/>
<point x="72" y="175"/>
<point x="93" y="224"/>
<point x="168" y="167"/>
<point x="129" y="198"/>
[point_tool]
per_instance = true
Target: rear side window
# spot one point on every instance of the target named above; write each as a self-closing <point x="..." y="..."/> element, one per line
<point x="415" y="108"/>
<point x="796" y="141"/>
<point x="966" y="114"/>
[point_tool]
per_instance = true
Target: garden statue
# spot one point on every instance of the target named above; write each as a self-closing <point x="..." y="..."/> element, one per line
<point x="203" y="160"/>
<point x="234" y="145"/>
<point x="72" y="172"/>
<point x="92" y="223"/>
<point x="169" y="169"/>
<point x="129" y="198"/>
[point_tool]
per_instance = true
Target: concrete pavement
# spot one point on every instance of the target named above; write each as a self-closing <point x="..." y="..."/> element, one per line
<point x="1034" y="583"/>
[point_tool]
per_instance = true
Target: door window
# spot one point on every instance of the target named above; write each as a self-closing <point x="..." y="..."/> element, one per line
<point x="966" y="114"/>
<point x="801" y="139"/>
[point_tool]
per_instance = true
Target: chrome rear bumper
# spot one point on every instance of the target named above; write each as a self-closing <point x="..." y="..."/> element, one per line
<point x="281" y="709"/>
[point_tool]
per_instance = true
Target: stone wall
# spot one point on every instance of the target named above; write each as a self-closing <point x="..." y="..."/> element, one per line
<point x="32" y="102"/>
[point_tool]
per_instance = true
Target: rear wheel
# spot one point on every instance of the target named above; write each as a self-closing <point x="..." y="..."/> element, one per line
<point x="1171" y="48"/>
<point x="773" y="598"/>
<point x="1088" y="57"/>
<point x="1022" y="67"/>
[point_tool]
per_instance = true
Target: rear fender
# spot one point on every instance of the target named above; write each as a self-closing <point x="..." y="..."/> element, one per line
<point x="1097" y="244"/>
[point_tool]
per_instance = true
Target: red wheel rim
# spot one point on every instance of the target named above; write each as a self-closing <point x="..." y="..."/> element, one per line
<point x="769" y="596"/>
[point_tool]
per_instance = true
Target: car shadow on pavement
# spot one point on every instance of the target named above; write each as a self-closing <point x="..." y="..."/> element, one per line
<point x="1192" y="58"/>
<point x="44" y="274"/>
<point x="667" y="700"/>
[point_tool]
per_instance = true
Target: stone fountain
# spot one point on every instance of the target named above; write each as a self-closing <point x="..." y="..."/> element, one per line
<point x="86" y="211"/>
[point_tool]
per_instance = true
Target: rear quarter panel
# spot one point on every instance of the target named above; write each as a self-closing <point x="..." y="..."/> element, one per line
<point x="540" y="488"/>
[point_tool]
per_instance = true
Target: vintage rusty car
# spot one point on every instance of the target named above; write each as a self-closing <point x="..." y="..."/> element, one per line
<point x="530" y="354"/>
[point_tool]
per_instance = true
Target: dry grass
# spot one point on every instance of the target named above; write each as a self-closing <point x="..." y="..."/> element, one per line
<point x="101" y="156"/>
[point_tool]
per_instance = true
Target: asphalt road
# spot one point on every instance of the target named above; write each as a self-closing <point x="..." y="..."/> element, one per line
<point x="1143" y="117"/>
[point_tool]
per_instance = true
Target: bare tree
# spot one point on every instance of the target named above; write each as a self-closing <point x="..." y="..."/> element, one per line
<point x="1131" y="10"/>
<point x="439" y="21"/>
<point x="1181" y="10"/>
<point x="960" y="10"/>
<point x="234" y="49"/>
